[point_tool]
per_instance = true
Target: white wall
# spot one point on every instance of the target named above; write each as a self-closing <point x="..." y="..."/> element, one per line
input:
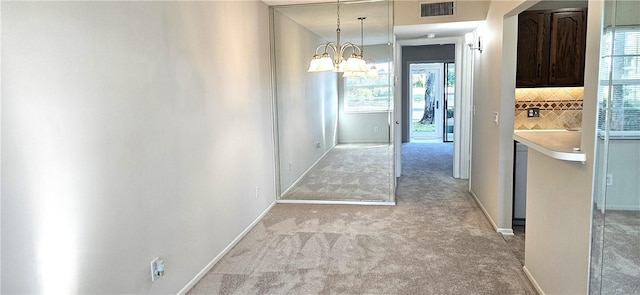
<point x="624" y="165"/>
<point x="307" y="103"/>
<point x="360" y="127"/>
<point x="130" y="130"/>
<point x="558" y="224"/>
<point x="493" y="92"/>
<point x="559" y="194"/>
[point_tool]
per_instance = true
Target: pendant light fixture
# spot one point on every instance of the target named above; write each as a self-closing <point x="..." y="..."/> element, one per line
<point x="324" y="62"/>
<point x="367" y="67"/>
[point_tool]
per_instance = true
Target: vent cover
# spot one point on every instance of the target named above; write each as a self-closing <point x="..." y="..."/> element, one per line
<point x="436" y="9"/>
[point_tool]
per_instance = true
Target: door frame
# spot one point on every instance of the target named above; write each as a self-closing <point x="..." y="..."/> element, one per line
<point x="462" y="111"/>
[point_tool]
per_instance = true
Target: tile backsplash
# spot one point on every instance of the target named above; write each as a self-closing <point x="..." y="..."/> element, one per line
<point x="560" y="108"/>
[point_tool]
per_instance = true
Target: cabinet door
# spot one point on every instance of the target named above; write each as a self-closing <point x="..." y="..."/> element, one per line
<point x="531" y="68"/>
<point x="567" y="48"/>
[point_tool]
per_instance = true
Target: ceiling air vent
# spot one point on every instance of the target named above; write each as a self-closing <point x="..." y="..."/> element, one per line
<point x="436" y="9"/>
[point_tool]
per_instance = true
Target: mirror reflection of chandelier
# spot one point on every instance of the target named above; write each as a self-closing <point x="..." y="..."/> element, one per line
<point x="370" y="67"/>
<point x="324" y="62"/>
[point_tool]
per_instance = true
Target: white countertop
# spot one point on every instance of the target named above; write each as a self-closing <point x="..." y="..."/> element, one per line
<point x="558" y="144"/>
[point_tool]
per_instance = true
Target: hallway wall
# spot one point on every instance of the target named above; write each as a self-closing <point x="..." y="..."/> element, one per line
<point x="493" y="91"/>
<point x="558" y="192"/>
<point x="130" y="130"/>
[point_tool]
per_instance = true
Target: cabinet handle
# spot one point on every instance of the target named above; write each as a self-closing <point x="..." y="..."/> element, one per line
<point x="539" y="71"/>
<point x="553" y="70"/>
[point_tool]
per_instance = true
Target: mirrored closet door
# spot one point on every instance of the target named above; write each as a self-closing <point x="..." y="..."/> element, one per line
<point x="334" y="137"/>
<point x="615" y="248"/>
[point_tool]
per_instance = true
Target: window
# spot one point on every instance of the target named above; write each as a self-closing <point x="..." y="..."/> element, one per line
<point x="369" y="94"/>
<point x="620" y="80"/>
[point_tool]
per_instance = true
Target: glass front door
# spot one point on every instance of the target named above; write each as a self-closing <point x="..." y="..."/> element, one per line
<point x="432" y="97"/>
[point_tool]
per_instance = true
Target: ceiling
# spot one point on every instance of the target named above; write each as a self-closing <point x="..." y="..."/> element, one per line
<point x="320" y="17"/>
<point x="440" y="30"/>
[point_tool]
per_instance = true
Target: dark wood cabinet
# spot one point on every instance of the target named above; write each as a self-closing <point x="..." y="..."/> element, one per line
<point x="551" y="47"/>
<point x="531" y="49"/>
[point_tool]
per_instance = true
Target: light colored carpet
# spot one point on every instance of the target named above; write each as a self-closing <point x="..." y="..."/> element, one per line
<point x="435" y="241"/>
<point x="516" y="242"/>
<point x="615" y="267"/>
<point x="349" y="172"/>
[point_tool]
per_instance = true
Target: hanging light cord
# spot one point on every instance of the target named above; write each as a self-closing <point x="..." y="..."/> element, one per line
<point x="338" y="29"/>
<point x="362" y="18"/>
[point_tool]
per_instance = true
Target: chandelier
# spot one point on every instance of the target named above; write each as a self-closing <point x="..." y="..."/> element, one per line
<point x="369" y="67"/>
<point x="324" y="62"/>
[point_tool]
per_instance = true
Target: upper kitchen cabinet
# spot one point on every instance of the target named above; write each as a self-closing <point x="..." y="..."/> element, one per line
<point x="551" y="47"/>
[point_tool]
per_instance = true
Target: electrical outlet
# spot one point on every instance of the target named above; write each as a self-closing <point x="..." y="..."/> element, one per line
<point x="157" y="268"/>
<point x="609" y="179"/>
<point x="533" y="112"/>
<point x="496" y="117"/>
<point x="257" y="191"/>
<point x="376" y="129"/>
<point x="318" y="145"/>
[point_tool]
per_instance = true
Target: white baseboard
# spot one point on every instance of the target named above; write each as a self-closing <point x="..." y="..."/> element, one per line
<point x="533" y="281"/>
<point x="622" y="208"/>
<point x="504" y="231"/>
<point x="484" y="210"/>
<point x="224" y="252"/>
<point x="320" y="202"/>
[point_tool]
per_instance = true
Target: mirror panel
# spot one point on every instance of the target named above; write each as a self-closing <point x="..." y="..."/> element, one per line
<point x="334" y="137"/>
<point x="615" y="250"/>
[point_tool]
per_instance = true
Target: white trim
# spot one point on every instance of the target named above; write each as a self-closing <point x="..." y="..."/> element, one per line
<point x="503" y="231"/>
<point x="224" y="252"/>
<point x="533" y="281"/>
<point x="462" y="126"/>
<point x="622" y="208"/>
<point x="319" y="202"/>
<point x="397" y="108"/>
<point x="465" y="116"/>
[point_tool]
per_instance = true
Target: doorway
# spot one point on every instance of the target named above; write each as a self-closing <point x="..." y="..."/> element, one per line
<point x="432" y="101"/>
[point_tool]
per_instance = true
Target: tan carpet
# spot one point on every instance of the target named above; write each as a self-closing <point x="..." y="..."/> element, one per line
<point x="435" y="241"/>
<point x="349" y="172"/>
<point x="615" y="268"/>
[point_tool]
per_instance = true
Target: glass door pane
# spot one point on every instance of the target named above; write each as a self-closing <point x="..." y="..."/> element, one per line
<point x="449" y="100"/>
<point x="427" y="101"/>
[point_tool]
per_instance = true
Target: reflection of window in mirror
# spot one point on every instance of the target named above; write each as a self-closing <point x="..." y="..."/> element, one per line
<point x="368" y="94"/>
<point x="623" y="52"/>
